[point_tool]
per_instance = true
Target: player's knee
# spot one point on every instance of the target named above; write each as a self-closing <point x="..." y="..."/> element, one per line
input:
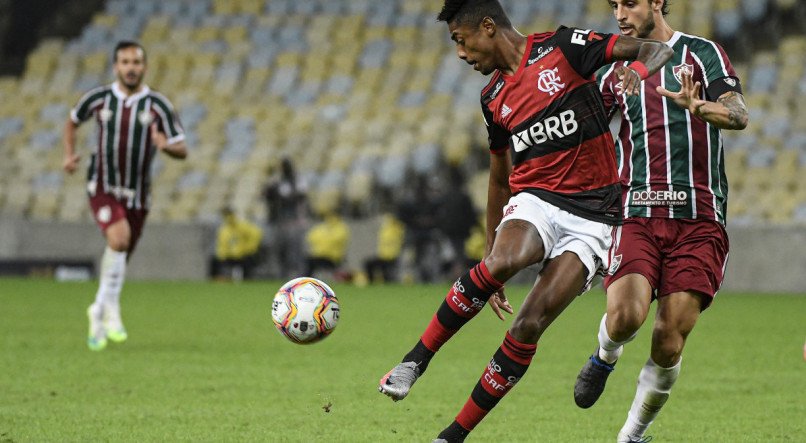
<point x="529" y="328"/>
<point x="667" y="346"/>
<point x="118" y="243"/>
<point x="623" y="323"/>
<point x="501" y="266"/>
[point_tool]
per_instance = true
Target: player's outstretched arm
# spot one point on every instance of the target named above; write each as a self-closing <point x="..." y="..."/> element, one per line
<point x="728" y="112"/>
<point x="70" y="162"/>
<point x="649" y="56"/>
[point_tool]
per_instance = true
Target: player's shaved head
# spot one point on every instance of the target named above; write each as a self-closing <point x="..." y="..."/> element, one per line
<point x="472" y="12"/>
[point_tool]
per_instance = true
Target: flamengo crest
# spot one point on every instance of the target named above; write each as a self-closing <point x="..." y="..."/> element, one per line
<point x="549" y="81"/>
<point x="682" y="68"/>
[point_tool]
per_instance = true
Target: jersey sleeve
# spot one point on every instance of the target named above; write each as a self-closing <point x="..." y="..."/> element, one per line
<point x="168" y="121"/>
<point x="586" y="50"/>
<point x="497" y="136"/>
<point x="605" y="85"/>
<point x="87" y="105"/>
<point x="719" y="75"/>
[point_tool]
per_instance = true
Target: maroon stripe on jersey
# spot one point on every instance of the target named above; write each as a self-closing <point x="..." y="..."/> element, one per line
<point x="700" y="168"/>
<point x="656" y="139"/>
<point x="553" y="172"/>
<point x="123" y="144"/>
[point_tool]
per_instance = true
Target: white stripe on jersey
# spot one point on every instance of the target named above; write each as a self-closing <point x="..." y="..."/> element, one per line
<point x="102" y="144"/>
<point x="116" y="145"/>
<point x="646" y="143"/>
<point x="664" y="103"/>
<point x="130" y="145"/>
<point x="145" y="144"/>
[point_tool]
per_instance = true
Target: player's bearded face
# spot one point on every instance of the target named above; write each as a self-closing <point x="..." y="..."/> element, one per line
<point x="634" y="19"/>
<point x="130" y="67"/>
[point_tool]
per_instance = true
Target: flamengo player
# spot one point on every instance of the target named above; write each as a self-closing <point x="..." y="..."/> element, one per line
<point x="673" y="245"/>
<point x="134" y="123"/>
<point x="553" y="165"/>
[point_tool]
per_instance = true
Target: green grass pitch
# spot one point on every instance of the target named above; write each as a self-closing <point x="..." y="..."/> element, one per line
<point x="204" y="363"/>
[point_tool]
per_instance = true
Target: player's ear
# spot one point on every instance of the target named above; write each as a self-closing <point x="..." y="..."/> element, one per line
<point x="488" y="26"/>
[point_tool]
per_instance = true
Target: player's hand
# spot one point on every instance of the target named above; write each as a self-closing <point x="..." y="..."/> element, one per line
<point x="630" y="80"/>
<point x="689" y="95"/>
<point x="498" y="302"/>
<point x="158" y="139"/>
<point x="70" y="163"/>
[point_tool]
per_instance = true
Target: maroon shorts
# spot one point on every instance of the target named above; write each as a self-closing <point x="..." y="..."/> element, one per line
<point x="675" y="255"/>
<point x="106" y="210"/>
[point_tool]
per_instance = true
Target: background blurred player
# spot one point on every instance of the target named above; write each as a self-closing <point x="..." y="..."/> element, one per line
<point x="552" y="158"/>
<point x="133" y="123"/>
<point x="673" y="244"/>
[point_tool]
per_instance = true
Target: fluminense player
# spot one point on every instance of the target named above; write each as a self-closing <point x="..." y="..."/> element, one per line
<point x="553" y="190"/>
<point x="134" y="124"/>
<point x="672" y="245"/>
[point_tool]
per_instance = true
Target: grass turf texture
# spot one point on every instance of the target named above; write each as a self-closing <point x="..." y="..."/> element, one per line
<point x="204" y="363"/>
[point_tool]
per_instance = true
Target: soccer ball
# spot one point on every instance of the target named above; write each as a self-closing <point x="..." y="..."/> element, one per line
<point x="305" y="310"/>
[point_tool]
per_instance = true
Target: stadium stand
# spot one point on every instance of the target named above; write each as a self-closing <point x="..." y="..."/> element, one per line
<point x="363" y="94"/>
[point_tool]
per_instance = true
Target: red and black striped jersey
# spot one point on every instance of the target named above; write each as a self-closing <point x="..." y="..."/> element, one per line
<point x="551" y="118"/>
<point x="121" y="162"/>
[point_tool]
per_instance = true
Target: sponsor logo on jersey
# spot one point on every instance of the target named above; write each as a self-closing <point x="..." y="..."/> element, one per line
<point x="730" y="81"/>
<point x="541" y="52"/>
<point x="549" y="81"/>
<point x="578" y="37"/>
<point x="497" y="89"/>
<point x="659" y="198"/>
<point x="682" y="68"/>
<point x="505" y="111"/>
<point x="145" y="118"/>
<point x="105" y="114"/>
<point x="552" y="128"/>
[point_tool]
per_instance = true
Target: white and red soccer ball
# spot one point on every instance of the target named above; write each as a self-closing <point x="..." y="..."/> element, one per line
<point x="305" y="310"/>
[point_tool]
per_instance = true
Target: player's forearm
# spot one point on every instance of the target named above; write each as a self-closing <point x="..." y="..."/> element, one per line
<point x="177" y="150"/>
<point x="69" y="138"/>
<point x="654" y="55"/>
<point x="729" y="113"/>
<point x="651" y="53"/>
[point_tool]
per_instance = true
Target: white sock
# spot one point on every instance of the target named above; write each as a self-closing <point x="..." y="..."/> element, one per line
<point x="113" y="272"/>
<point x="654" y="385"/>
<point x="610" y="350"/>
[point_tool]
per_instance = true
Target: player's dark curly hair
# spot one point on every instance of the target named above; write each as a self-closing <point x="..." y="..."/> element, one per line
<point x="665" y="8"/>
<point x="472" y="12"/>
<point x="125" y="44"/>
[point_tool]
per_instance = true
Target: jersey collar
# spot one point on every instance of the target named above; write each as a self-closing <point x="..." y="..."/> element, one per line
<point x="675" y="37"/>
<point x="128" y="100"/>
<point x="517" y="75"/>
